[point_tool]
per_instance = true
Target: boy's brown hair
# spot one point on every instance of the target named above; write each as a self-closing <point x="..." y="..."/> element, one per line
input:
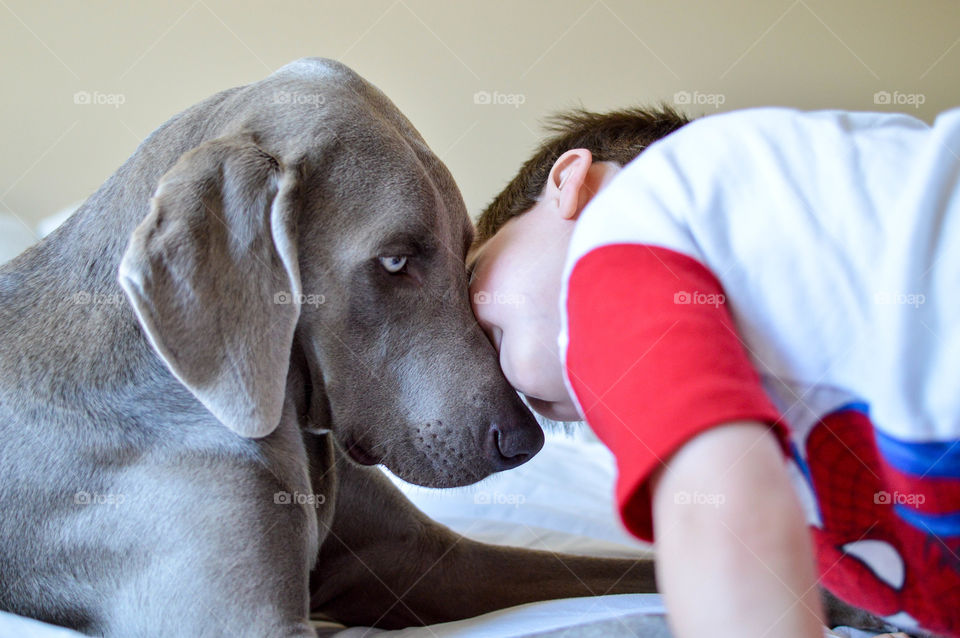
<point x="616" y="136"/>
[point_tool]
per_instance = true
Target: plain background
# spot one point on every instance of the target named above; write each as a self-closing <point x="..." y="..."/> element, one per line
<point x="85" y="81"/>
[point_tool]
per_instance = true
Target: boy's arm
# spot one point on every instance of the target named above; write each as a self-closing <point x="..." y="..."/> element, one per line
<point x="660" y="372"/>
<point x="734" y="555"/>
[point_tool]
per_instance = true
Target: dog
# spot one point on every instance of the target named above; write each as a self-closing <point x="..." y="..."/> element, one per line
<point x="200" y="366"/>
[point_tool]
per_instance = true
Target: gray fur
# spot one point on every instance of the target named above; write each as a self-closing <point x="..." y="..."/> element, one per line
<point x="159" y="395"/>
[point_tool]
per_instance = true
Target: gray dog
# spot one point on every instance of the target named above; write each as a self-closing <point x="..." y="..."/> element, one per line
<point x="269" y="295"/>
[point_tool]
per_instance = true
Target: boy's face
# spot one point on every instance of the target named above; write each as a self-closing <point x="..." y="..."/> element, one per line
<point x="517" y="277"/>
<point x="515" y="292"/>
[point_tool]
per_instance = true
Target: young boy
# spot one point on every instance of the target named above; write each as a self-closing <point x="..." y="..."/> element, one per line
<point x="760" y="317"/>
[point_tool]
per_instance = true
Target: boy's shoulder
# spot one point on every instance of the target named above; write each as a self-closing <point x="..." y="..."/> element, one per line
<point x="776" y="121"/>
<point x="736" y="150"/>
<point x="738" y="133"/>
<point x="713" y="183"/>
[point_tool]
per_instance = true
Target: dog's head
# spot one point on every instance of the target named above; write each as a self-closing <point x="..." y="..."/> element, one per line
<point x="317" y="231"/>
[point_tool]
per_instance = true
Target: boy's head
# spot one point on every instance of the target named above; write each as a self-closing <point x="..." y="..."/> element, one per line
<point x="522" y="239"/>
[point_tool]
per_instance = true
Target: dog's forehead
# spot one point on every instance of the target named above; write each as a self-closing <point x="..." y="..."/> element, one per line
<point x="325" y="90"/>
<point x="312" y="104"/>
<point x="313" y="66"/>
<point x="404" y="197"/>
<point x="316" y="105"/>
<point x="413" y="206"/>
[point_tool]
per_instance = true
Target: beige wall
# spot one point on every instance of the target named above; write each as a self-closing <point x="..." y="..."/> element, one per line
<point x="432" y="57"/>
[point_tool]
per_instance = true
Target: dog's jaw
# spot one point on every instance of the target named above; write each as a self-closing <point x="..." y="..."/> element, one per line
<point x="307" y="384"/>
<point x="360" y="453"/>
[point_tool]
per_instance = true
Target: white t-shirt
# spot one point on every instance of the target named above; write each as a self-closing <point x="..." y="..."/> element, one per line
<point x="822" y="249"/>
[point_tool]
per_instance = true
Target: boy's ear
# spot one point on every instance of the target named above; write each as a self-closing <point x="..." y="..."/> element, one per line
<point x="565" y="185"/>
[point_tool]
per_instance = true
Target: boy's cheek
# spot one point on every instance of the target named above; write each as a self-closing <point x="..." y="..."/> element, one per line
<point x="479" y="302"/>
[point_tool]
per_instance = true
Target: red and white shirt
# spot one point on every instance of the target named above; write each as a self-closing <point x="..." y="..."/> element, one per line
<point x="803" y="270"/>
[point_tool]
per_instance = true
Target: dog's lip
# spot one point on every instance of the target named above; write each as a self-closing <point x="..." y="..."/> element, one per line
<point x="359" y="454"/>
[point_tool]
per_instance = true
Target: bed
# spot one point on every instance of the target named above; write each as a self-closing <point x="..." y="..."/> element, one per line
<point x="559" y="501"/>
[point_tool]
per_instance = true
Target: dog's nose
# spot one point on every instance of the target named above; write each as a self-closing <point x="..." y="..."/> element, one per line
<point x="513" y="445"/>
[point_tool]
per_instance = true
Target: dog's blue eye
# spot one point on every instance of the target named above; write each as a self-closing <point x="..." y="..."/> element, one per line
<point x="393" y="264"/>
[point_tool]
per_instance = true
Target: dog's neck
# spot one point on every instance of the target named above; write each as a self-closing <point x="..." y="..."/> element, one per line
<point x="61" y="307"/>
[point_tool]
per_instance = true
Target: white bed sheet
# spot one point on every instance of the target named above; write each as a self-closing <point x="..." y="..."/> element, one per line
<point x="623" y="615"/>
<point x="560" y="501"/>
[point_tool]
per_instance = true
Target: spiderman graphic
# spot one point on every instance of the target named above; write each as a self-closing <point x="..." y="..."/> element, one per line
<point x="890" y="510"/>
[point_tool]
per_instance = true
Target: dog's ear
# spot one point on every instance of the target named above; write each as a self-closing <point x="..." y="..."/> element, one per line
<point x="212" y="276"/>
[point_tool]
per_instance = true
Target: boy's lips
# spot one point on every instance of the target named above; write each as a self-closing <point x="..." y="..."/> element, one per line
<point x="554" y="410"/>
<point x="537" y="404"/>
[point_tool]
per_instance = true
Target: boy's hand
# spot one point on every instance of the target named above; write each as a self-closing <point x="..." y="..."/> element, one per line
<point x="734" y="554"/>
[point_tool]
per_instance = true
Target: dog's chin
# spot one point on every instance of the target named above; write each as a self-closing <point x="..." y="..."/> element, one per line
<point x="427" y="475"/>
<point x="411" y="464"/>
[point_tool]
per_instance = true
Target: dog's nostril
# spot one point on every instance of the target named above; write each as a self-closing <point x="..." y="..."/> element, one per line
<point x="507" y="448"/>
<point x="498" y="440"/>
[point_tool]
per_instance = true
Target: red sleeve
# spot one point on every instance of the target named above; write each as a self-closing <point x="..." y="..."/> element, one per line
<point x="654" y="359"/>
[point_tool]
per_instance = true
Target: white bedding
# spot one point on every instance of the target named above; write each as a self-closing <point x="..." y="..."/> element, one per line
<point x="560" y="501"/>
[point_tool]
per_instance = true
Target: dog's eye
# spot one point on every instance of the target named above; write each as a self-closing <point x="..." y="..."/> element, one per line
<point x="393" y="264"/>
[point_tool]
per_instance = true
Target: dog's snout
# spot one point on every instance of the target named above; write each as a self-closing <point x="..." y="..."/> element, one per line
<point x="511" y="444"/>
